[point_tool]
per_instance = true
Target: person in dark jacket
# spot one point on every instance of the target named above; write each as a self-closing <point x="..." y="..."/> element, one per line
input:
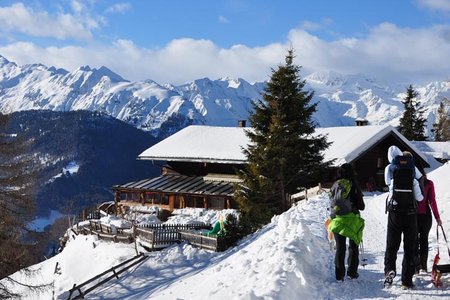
<point x="424" y="222"/>
<point x="400" y="222"/>
<point x="347" y="223"/>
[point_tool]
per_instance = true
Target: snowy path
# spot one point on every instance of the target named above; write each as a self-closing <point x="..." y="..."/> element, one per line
<point x="290" y="258"/>
<point x="370" y="283"/>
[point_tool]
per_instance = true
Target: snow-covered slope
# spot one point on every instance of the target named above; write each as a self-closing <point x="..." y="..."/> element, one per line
<point x="290" y="258"/>
<point x="149" y="105"/>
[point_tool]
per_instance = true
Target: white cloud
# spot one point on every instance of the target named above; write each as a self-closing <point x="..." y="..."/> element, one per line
<point x="22" y="19"/>
<point x="119" y="8"/>
<point x="443" y="5"/>
<point x="77" y="6"/>
<point x="387" y="53"/>
<point x="223" y="19"/>
<point x="313" y="26"/>
<point x="310" y="26"/>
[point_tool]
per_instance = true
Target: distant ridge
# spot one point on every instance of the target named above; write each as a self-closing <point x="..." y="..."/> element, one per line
<point x="164" y="109"/>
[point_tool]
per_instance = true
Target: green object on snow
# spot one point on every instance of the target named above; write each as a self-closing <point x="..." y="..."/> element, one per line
<point x="218" y="229"/>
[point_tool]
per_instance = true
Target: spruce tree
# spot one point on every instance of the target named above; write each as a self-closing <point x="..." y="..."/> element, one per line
<point x="442" y="126"/>
<point x="284" y="152"/>
<point x="412" y="123"/>
<point x="16" y="208"/>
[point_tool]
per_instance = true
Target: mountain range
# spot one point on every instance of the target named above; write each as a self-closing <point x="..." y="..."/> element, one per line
<point x="163" y="109"/>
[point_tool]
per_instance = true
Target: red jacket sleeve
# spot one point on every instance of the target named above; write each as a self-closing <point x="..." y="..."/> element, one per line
<point x="432" y="200"/>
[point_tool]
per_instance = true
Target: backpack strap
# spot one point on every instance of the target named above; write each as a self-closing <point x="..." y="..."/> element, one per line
<point x="386" y="203"/>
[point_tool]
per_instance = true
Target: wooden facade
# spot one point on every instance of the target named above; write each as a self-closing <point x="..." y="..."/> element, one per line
<point x="173" y="191"/>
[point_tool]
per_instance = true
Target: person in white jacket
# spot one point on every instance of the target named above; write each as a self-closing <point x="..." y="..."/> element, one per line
<point x="401" y="221"/>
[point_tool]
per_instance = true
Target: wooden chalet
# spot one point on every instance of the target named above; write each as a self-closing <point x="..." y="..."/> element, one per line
<point x="365" y="147"/>
<point x="199" y="166"/>
<point x="200" y="163"/>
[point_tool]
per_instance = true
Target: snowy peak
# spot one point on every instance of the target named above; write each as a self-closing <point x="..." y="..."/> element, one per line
<point x="3" y="61"/>
<point x="150" y="106"/>
<point x="328" y="78"/>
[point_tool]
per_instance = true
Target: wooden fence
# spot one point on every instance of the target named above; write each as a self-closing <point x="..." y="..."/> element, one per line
<point x="116" y="270"/>
<point x="106" y="232"/>
<point x="105" y="228"/>
<point x="158" y="236"/>
<point x="204" y="242"/>
<point x="175" y="226"/>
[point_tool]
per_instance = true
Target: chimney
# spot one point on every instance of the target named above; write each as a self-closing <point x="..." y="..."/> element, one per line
<point x="361" y="122"/>
<point x="241" y="123"/>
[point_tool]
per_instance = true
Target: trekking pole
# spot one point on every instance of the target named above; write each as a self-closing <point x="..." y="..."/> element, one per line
<point x="363" y="259"/>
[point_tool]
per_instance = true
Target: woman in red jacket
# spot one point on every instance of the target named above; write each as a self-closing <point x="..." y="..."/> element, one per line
<point x="424" y="222"/>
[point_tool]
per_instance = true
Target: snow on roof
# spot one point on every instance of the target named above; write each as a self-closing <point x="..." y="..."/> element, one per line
<point x="436" y="149"/>
<point x="349" y="142"/>
<point x="201" y="144"/>
<point x="224" y="144"/>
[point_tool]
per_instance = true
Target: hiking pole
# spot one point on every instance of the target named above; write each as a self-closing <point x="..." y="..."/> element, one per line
<point x="363" y="259"/>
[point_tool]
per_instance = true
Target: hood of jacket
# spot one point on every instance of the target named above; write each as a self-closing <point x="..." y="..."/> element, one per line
<point x="393" y="151"/>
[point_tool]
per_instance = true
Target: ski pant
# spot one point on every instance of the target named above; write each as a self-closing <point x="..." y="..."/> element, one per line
<point x="339" y="260"/>
<point x="399" y="224"/>
<point x="424" y="222"/>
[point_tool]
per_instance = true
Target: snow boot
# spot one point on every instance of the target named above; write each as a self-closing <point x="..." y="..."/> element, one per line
<point x="389" y="278"/>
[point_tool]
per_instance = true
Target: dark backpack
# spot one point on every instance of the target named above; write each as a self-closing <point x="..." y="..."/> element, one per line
<point x="340" y="199"/>
<point x="403" y="174"/>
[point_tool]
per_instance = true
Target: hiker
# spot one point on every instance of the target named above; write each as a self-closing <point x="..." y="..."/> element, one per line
<point x="346" y="202"/>
<point x="404" y="191"/>
<point x="424" y="222"/>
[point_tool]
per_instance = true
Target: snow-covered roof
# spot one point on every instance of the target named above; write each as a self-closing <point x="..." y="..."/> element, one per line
<point x="224" y="144"/>
<point x="349" y="142"/>
<point x="201" y="144"/>
<point x="436" y="149"/>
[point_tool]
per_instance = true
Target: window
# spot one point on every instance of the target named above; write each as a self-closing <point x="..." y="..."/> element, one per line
<point x="216" y="202"/>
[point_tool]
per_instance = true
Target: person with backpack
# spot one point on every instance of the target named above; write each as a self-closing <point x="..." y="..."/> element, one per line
<point x="346" y="201"/>
<point x="424" y="223"/>
<point x="404" y="192"/>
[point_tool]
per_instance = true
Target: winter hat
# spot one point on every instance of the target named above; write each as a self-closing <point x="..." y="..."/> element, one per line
<point x="346" y="171"/>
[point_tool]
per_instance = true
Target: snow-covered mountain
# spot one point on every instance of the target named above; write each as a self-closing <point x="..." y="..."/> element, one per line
<point x="163" y="109"/>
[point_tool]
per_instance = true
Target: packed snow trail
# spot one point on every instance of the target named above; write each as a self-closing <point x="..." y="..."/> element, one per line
<point x="289" y="258"/>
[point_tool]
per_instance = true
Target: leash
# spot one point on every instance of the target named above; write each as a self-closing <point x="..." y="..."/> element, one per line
<point x="445" y="238"/>
<point x="436" y="272"/>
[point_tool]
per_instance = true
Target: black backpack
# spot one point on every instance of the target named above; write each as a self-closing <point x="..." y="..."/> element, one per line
<point x="403" y="174"/>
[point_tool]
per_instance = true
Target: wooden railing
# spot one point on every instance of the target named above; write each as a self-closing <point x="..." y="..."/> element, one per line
<point x="105" y="232"/>
<point x="158" y="236"/>
<point x="201" y="241"/>
<point x="175" y="226"/>
<point x="116" y="270"/>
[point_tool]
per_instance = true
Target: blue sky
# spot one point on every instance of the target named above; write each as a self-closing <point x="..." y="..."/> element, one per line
<point x="179" y="41"/>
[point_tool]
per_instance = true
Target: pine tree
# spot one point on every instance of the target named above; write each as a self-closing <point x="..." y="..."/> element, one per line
<point x="442" y="126"/>
<point x="16" y="207"/>
<point x="284" y="153"/>
<point x="412" y="123"/>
